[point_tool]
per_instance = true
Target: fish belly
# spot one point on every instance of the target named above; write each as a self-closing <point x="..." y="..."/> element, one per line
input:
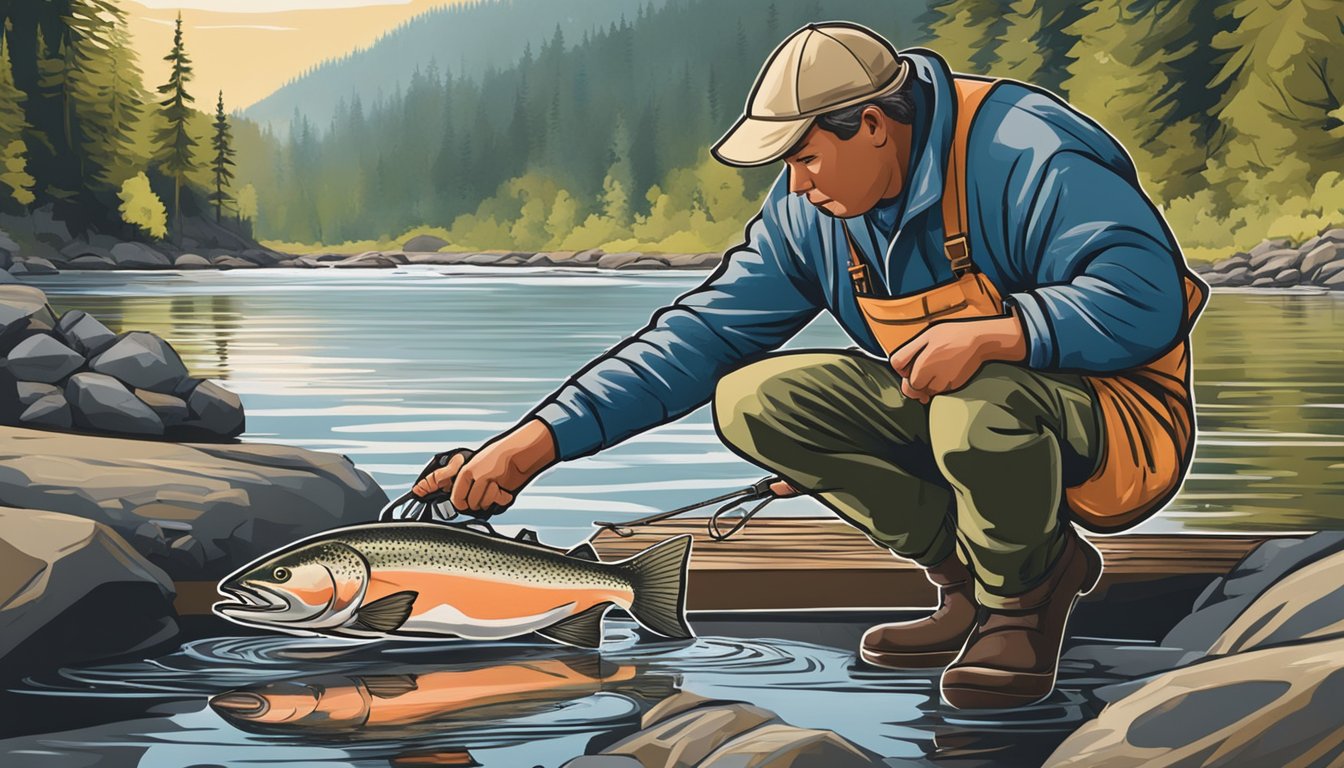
<point x="446" y="619"/>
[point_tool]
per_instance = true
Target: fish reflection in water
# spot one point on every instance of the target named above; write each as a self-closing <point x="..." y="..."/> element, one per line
<point x="392" y="698"/>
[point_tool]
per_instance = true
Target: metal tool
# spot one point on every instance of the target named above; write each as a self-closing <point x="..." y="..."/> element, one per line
<point x="434" y="507"/>
<point x="759" y="491"/>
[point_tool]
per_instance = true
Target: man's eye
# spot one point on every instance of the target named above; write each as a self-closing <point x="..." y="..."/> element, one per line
<point x="807" y="160"/>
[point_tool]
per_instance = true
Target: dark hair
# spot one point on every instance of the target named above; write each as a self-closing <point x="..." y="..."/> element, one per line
<point x="844" y="123"/>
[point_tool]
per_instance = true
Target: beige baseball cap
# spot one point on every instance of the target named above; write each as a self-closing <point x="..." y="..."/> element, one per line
<point x="819" y="68"/>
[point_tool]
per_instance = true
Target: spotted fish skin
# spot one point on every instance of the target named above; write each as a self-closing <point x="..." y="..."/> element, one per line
<point x="427" y="579"/>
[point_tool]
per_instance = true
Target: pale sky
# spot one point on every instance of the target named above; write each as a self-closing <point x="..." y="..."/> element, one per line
<point x="264" y="6"/>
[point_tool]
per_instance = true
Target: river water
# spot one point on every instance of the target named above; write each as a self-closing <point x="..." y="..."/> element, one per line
<point x="388" y="367"/>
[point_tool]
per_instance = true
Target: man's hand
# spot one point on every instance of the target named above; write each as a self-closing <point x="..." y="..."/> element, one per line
<point x="946" y="355"/>
<point x="494" y="476"/>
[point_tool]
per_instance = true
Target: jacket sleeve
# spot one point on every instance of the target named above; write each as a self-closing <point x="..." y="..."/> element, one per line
<point x="1104" y="287"/>
<point x="757" y="299"/>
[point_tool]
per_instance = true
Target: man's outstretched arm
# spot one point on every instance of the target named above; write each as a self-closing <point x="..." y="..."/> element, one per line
<point x="760" y="297"/>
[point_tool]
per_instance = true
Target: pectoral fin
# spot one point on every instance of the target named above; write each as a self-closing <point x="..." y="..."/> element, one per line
<point x="583" y="630"/>
<point x="386" y="614"/>
<point x="389" y="686"/>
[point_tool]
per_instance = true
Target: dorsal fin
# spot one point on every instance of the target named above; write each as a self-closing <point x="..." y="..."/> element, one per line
<point x="584" y="551"/>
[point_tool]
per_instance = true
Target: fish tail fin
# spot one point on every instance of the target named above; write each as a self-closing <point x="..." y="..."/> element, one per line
<point x="658" y="578"/>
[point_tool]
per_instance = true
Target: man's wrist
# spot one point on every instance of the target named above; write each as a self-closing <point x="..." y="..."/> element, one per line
<point x="531" y="449"/>
<point x="1003" y="339"/>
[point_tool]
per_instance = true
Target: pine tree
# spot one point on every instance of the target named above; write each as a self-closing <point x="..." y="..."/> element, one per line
<point x="174" y="142"/>
<point x="222" y="143"/>
<point x="15" y="182"/>
<point x="965" y="33"/>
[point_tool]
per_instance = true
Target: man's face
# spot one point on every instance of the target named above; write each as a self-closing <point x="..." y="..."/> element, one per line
<point x="844" y="177"/>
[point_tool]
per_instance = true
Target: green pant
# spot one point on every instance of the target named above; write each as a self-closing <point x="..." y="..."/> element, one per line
<point x="980" y="472"/>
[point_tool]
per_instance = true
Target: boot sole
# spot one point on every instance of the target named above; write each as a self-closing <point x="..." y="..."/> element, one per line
<point x="908" y="660"/>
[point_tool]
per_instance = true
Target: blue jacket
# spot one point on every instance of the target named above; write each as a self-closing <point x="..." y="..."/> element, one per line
<point x="1057" y="221"/>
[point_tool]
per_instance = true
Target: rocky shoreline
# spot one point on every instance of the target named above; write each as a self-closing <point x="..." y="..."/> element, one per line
<point x="1316" y="262"/>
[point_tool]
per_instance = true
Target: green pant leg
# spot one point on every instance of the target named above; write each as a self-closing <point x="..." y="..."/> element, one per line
<point x="1009" y="442"/>
<point x="837" y="426"/>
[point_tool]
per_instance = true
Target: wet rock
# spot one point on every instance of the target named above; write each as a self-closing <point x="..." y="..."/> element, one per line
<point x="1328" y="271"/>
<point x="687" y="738"/>
<point x="32" y="265"/>
<point x="1231" y="262"/>
<point x="424" y="244"/>
<point x="72" y="590"/>
<point x="378" y="261"/>
<point x="239" y="500"/>
<point x="1275" y="706"/>
<point x="103" y="404"/>
<point x="171" y="410"/>
<point x="90" y="263"/>
<point x="232" y="262"/>
<point x="1320" y="256"/>
<point x="784" y="746"/>
<point x="646" y="263"/>
<point x="138" y="256"/>
<point x="30" y="392"/>
<point x="6" y="278"/>
<point x="84" y="333"/>
<point x="42" y="358"/>
<point x="1227" y="597"/>
<point x="1263" y="282"/>
<point x="20" y="307"/>
<point x="1306" y="604"/>
<point x="1335" y="282"/>
<point x="141" y="360"/>
<point x="261" y="258"/>
<point x="48" y="412"/>
<point x="617" y="260"/>
<point x="188" y="554"/>
<point x="8" y="249"/>
<point x="214" y="410"/>
<point x="1266" y="246"/>
<point x="323" y="258"/>
<point x="1287" y="278"/>
<point x="540" y="260"/>
<point x="191" y="261"/>
<point x="484" y="259"/>
<point x="588" y="258"/>
<point x="1273" y="262"/>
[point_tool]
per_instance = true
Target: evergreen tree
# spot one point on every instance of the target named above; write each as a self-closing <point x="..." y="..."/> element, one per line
<point x="222" y="164"/>
<point x="16" y="185"/>
<point x="174" y="142"/>
<point x="965" y="31"/>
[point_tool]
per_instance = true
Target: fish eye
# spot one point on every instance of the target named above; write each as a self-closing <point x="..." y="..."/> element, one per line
<point x="280" y="574"/>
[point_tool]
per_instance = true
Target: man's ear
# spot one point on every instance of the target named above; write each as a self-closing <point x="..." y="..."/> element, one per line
<point x="874" y="125"/>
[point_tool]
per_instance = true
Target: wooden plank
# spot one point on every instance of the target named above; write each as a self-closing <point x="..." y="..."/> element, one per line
<point x="816" y="562"/>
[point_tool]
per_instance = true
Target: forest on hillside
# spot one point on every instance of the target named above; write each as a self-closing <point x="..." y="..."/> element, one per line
<point x="83" y="137"/>
<point x="1231" y="109"/>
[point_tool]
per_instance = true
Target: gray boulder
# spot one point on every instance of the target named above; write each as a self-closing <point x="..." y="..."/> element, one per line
<point x="617" y="260"/>
<point x="5" y="277"/>
<point x="540" y="260"/>
<point x="1334" y="282"/>
<point x="30" y="392"/>
<point x="48" y="412"/>
<point x="84" y="333"/>
<point x="80" y="248"/>
<point x="588" y="258"/>
<point x="89" y="262"/>
<point x="141" y="360"/>
<point x="1271" y="707"/>
<point x="191" y="261"/>
<point x="484" y="259"/>
<point x="1265" y="246"/>
<point x="171" y="410"/>
<point x="1320" y="256"/>
<point x="779" y="745"/>
<point x="1226" y="598"/>
<point x="1231" y="262"/>
<point x="646" y="262"/>
<point x="1287" y="278"/>
<point x="8" y="249"/>
<point x="72" y="590"/>
<point x="1274" y="261"/>
<point x="42" y="358"/>
<point x="103" y="404"/>
<point x="688" y="737"/>
<point x="47" y="228"/>
<point x="261" y="258"/>
<point x="138" y="256"/>
<point x="21" y="306"/>
<point x="238" y="501"/>
<point x="1306" y="604"/>
<point x="215" y="410"/>
<point x="232" y="262"/>
<point x="32" y="265"/>
<point x="1327" y="271"/>
<point x="424" y="244"/>
<point x="1263" y="282"/>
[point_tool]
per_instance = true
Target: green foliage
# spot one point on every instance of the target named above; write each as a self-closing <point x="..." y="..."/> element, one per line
<point x="141" y="207"/>
<point x="174" y="140"/>
<point x="246" y="203"/>
<point x="16" y="184"/>
<point x="222" y="165"/>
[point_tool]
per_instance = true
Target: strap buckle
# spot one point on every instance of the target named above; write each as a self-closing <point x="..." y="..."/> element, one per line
<point x="958" y="251"/>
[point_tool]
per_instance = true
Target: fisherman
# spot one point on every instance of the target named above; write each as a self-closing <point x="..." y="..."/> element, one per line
<point x="1022" y="314"/>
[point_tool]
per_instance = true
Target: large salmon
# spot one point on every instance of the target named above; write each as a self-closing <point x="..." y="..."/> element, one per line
<point x="430" y="579"/>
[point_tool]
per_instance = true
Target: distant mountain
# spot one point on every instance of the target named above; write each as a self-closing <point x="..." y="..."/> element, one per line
<point x="465" y="40"/>
<point x="248" y="54"/>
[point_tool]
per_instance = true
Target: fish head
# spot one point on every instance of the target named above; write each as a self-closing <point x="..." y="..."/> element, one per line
<point x="313" y="586"/>
<point x="313" y="704"/>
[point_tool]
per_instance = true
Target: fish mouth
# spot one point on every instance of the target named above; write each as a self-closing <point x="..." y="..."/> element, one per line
<point x="240" y="704"/>
<point x="250" y="600"/>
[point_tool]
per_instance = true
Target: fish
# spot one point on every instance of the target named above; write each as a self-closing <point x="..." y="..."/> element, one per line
<point x="399" y="697"/>
<point x="430" y="580"/>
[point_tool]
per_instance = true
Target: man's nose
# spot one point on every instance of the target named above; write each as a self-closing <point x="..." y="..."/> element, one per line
<point x="799" y="181"/>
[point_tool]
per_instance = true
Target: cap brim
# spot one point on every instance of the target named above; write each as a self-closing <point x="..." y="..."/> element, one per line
<point x="759" y="142"/>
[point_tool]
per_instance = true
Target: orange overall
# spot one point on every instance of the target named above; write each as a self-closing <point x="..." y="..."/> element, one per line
<point x="1147" y="412"/>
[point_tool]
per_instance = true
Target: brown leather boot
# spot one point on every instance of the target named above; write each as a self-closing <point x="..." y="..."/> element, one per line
<point x="935" y="640"/>
<point x="1012" y="655"/>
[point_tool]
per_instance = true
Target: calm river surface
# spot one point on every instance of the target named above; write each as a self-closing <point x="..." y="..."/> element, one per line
<point x="388" y="367"/>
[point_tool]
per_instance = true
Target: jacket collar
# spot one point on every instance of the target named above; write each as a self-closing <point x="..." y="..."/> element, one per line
<point x="932" y="135"/>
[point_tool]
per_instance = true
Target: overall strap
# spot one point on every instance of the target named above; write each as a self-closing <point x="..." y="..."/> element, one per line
<point x="970" y="92"/>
